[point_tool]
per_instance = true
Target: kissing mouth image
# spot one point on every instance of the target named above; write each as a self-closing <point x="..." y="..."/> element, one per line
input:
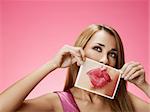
<point x="99" y="77"/>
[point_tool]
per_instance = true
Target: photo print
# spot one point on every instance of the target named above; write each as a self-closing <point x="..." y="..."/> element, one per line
<point x="98" y="78"/>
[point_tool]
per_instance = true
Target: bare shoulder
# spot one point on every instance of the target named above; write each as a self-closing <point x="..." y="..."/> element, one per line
<point x="44" y="103"/>
<point x="139" y="104"/>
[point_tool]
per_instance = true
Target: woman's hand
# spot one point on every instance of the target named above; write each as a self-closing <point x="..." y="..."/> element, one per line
<point x="135" y="73"/>
<point x="69" y="55"/>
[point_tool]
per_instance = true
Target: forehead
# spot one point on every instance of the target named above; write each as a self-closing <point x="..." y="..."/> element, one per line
<point x="103" y="37"/>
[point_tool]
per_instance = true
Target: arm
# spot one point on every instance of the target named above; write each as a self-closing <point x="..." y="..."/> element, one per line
<point x="135" y="73"/>
<point x="145" y="87"/>
<point x="45" y="103"/>
<point x="138" y="104"/>
<point x="12" y="99"/>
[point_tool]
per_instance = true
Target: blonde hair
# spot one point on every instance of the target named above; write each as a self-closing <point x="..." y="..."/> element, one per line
<point x="122" y="102"/>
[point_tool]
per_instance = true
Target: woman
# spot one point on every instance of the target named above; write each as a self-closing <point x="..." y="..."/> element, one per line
<point x="98" y="42"/>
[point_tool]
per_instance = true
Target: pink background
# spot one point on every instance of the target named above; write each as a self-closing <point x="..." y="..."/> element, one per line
<point x="32" y="31"/>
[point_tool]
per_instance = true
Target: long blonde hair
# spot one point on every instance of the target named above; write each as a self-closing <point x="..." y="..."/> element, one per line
<point x="122" y="102"/>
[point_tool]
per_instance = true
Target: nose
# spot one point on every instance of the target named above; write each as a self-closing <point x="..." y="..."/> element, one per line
<point x="104" y="60"/>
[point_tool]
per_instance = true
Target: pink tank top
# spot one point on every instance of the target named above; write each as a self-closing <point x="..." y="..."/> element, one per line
<point x="67" y="101"/>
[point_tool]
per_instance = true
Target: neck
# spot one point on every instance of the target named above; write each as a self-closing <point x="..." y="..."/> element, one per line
<point x="87" y="96"/>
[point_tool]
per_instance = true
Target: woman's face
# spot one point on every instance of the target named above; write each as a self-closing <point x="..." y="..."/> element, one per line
<point x="102" y="48"/>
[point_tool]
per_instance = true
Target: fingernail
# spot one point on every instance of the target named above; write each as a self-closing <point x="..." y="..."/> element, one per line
<point x="125" y="78"/>
<point x="78" y="63"/>
<point x="103" y="68"/>
<point x="121" y="71"/>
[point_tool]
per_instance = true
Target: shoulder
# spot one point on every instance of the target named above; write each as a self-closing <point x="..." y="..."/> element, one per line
<point x="49" y="98"/>
<point x="139" y="104"/>
<point x="45" y="102"/>
<point x="53" y="100"/>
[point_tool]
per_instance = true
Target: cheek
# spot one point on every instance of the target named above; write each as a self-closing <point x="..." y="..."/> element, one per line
<point x="112" y="62"/>
<point x="92" y="55"/>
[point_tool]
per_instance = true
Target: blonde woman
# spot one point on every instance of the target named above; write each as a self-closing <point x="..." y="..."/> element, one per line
<point x="98" y="42"/>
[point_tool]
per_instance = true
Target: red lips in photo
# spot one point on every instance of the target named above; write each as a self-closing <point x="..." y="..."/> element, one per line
<point x="99" y="77"/>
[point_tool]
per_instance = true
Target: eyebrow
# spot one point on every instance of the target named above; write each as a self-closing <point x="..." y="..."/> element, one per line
<point x="101" y="44"/>
<point x="113" y="49"/>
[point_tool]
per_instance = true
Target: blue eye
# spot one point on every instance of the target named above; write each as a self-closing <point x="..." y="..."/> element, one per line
<point x="97" y="48"/>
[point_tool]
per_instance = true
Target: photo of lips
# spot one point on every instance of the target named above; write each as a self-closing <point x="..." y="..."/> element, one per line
<point x="98" y="77"/>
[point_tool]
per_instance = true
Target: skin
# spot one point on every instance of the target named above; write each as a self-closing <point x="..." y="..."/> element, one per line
<point x="104" y="52"/>
<point x="102" y="48"/>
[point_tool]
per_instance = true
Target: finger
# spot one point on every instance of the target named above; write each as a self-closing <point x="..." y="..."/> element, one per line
<point x="128" y="68"/>
<point x="75" y="60"/>
<point x="78" y="60"/>
<point x="74" y="54"/>
<point x="123" y="69"/>
<point x="79" y="64"/>
<point x="132" y="71"/>
<point x="126" y="65"/>
<point x="136" y="74"/>
<point x="75" y="49"/>
<point x="82" y="53"/>
<point x="103" y="67"/>
<point x="66" y="49"/>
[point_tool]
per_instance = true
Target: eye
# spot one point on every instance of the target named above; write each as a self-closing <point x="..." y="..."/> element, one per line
<point x="113" y="55"/>
<point x="97" y="48"/>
